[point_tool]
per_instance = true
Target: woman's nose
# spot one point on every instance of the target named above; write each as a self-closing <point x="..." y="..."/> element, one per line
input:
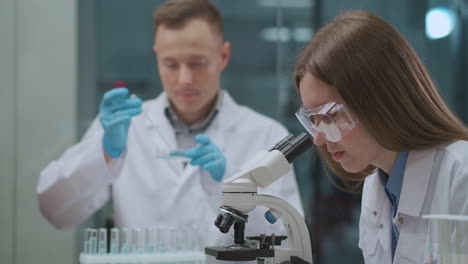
<point x="319" y="139"/>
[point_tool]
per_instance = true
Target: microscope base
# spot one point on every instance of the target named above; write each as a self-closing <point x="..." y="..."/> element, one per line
<point x="238" y="254"/>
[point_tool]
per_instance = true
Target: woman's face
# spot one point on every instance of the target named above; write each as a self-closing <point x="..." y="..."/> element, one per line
<point x="357" y="149"/>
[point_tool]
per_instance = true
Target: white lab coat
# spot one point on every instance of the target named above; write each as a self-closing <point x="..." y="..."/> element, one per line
<point x="435" y="182"/>
<point x="148" y="191"/>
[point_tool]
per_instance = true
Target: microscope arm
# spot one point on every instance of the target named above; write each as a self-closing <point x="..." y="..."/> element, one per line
<point x="298" y="234"/>
<point x="267" y="167"/>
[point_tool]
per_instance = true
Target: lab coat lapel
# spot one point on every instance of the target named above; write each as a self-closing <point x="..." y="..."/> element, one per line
<point x="161" y="131"/>
<point x="158" y="123"/>
<point x="377" y="207"/>
<point x="228" y="116"/>
<point x="376" y="195"/>
<point x="416" y="181"/>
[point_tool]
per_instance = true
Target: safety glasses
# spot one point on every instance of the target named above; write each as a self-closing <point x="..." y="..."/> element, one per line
<point x="330" y="120"/>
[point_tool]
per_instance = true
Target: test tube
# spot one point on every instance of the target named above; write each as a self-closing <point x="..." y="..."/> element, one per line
<point x="195" y="239"/>
<point x="87" y="241"/>
<point x="151" y="239"/>
<point x="174" y="239"/>
<point x="172" y="155"/>
<point x="126" y="241"/>
<point x="114" y="243"/>
<point x="182" y="239"/>
<point x="139" y="240"/>
<point x="162" y="242"/>
<point x="102" y="244"/>
<point x="93" y="241"/>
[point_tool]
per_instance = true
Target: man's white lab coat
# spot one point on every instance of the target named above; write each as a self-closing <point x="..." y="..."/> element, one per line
<point x="148" y="191"/>
<point x="435" y="182"/>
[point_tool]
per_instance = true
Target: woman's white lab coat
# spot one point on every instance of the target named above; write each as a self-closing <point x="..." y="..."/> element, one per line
<point x="435" y="182"/>
<point x="148" y="191"/>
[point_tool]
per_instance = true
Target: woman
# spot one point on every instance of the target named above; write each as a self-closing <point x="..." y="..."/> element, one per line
<point x="377" y="117"/>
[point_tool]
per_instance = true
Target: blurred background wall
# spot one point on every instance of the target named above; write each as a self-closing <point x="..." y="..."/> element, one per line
<point x="57" y="58"/>
<point x="38" y="117"/>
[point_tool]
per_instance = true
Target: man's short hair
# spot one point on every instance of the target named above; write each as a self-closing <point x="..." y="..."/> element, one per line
<point x="175" y="14"/>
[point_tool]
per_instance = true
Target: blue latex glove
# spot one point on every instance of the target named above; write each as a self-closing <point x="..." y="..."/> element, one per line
<point x="115" y="112"/>
<point x="208" y="156"/>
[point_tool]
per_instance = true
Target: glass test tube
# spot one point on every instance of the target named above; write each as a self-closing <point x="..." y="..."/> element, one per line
<point x="139" y="239"/>
<point x="87" y="241"/>
<point x="151" y="239"/>
<point x="114" y="242"/>
<point x="93" y="241"/>
<point x="126" y="241"/>
<point x="102" y="242"/>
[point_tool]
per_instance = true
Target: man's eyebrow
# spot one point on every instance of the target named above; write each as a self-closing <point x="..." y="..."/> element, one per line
<point x="168" y="59"/>
<point x="198" y="57"/>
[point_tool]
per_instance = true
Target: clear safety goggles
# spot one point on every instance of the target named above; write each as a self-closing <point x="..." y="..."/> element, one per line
<point x="330" y="120"/>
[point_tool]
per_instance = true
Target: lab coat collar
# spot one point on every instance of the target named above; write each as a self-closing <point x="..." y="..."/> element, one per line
<point x="414" y="188"/>
<point x="416" y="181"/>
<point x="229" y="114"/>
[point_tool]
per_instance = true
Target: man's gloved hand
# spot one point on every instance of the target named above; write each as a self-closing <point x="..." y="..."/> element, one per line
<point x="298" y="260"/>
<point x="115" y="112"/>
<point x="208" y="156"/>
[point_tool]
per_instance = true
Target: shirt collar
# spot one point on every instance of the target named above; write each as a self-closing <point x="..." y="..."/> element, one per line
<point x="201" y="125"/>
<point x="392" y="184"/>
<point x="396" y="176"/>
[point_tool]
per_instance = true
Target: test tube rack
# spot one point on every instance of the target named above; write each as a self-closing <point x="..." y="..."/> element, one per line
<point x="137" y="245"/>
<point x="147" y="258"/>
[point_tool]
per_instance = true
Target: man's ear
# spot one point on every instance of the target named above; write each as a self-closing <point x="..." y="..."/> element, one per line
<point x="225" y="54"/>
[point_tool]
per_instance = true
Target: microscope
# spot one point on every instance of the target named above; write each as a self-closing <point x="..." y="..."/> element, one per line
<point x="240" y="197"/>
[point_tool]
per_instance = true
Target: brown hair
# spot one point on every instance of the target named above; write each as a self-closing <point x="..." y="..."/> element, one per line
<point x="383" y="83"/>
<point x="176" y="13"/>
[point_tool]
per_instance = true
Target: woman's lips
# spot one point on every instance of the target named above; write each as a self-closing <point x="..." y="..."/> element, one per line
<point x="336" y="156"/>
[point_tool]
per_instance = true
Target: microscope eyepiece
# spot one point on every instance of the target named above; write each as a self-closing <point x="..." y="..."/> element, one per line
<point x="294" y="147"/>
<point x="281" y="143"/>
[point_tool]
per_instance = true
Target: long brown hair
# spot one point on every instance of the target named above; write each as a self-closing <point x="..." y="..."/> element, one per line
<point x="383" y="82"/>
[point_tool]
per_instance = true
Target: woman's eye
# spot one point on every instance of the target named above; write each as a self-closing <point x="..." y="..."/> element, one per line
<point x="332" y="115"/>
<point x="317" y="119"/>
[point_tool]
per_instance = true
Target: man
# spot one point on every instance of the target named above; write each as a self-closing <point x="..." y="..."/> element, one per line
<point x="118" y="157"/>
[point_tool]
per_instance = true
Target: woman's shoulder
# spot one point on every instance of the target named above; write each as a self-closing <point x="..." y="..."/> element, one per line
<point x="453" y="155"/>
<point x="458" y="150"/>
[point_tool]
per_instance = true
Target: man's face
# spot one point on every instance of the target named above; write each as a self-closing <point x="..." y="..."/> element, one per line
<point x="190" y="61"/>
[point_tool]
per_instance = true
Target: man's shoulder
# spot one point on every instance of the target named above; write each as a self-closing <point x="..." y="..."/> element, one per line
<point x="154" y="101"/>
<point x="255" y="122"/>
<point x="262" y="119"/>
<point x="246" y="115"/>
